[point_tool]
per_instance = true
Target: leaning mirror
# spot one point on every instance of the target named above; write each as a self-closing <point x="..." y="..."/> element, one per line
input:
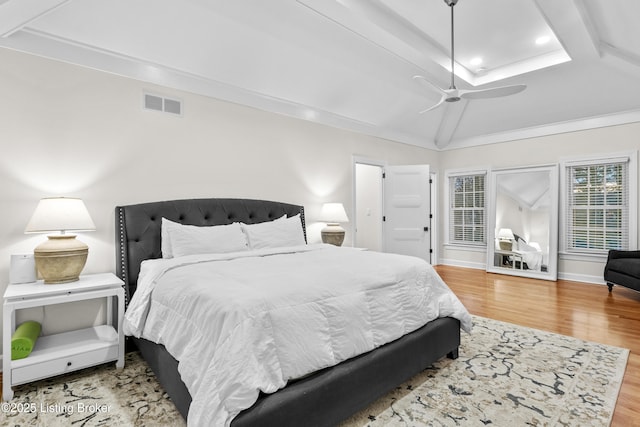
<point x="522" y="234"/>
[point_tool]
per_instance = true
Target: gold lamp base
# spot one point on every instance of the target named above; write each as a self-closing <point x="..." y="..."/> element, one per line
<point x="61" y="258"/>
<point x="505" y="245"/>
<point x="333" y="234"/>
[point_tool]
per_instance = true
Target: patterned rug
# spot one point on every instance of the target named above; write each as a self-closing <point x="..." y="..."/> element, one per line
<point x="506" y="375"/>
<point x="98" y="396"/>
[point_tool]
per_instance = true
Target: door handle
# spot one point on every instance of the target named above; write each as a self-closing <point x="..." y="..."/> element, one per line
<point x="426" y="228"/>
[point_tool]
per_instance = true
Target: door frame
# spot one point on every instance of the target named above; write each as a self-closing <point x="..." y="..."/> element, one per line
<point x="382" y="164"/>
<point x="355" y="160"/>
<point x="434" y="216"/>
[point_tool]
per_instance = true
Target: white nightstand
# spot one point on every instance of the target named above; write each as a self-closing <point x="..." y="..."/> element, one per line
<point x="69" y="351"/>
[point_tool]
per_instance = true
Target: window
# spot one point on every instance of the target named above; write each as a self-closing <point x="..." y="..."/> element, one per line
<point x="467" y="224"/>
<point x="597" y="205"/>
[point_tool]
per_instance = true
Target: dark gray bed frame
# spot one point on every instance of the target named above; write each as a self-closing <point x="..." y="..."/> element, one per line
<point x="324" y="398"/>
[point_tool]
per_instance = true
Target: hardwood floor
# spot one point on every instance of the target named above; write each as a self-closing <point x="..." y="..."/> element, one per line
<point x="584" y="311"/>
<point x="580" y="310"/>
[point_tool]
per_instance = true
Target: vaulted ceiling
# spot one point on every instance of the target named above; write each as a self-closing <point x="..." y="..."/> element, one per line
<point x="350" y="63"/>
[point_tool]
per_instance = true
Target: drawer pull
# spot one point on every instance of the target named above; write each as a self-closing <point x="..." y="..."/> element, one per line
<point x="68" y="363"/>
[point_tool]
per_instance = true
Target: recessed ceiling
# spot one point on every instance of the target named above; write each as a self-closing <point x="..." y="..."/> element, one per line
<point x="506" y="47"/>
<point x="349" y="63"/>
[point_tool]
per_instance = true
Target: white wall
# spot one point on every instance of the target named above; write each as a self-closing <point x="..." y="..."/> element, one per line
<point x="67" y="130"/>
<point x="540" y="151"/>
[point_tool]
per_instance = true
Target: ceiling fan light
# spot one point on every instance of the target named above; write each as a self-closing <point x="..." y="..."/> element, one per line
<point x="452" y="99"/>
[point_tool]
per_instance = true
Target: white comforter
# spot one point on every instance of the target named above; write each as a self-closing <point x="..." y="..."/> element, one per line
<point x="246" y="322"/>
<point x="532" y="258"/>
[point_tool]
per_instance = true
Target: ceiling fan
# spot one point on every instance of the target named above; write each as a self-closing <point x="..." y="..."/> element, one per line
<point x="454" y="94"/>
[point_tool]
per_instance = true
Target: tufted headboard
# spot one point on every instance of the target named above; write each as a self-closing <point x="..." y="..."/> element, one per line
<point x="138" y="226"/>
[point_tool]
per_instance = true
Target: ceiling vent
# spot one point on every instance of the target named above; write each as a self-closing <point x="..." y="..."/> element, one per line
<point x="160" y="103"/>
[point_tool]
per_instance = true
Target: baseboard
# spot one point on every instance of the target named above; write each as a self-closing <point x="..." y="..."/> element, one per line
<point x="584" y="278"/>
<point x="464" y="264"/>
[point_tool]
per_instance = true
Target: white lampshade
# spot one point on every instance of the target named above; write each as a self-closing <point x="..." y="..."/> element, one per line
<point x="505" y="234"/>
<point x="60" y="214"/>
<point x="333" y="213"/>
<point x="62" y="257"/>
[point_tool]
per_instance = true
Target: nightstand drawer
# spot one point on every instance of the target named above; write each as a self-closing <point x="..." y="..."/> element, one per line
<point x="63" y="365"/>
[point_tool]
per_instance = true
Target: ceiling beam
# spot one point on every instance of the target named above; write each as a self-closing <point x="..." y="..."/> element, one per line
<point x="573" y="26"/>
<point x="380" y="25"/>
<point x="16" y="14"/>
<point x="542" y="199"/>
<point x="620" y="59"/>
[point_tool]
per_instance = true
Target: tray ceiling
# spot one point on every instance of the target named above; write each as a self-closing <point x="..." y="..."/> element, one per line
<point x="349" y="63"/>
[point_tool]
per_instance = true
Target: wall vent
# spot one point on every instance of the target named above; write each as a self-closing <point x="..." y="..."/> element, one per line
<point x="163" y="104"/>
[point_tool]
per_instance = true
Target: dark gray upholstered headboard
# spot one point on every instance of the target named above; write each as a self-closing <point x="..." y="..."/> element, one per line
<point x="138" y="226"/>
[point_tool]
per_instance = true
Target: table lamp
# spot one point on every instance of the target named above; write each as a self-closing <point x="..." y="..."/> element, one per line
<point x="61" y="258"/>
<point x="333" y="214"/>
<point x="505" y="239"/>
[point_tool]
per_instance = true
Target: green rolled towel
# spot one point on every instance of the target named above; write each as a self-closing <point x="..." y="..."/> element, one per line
<point x="24" y="339"/>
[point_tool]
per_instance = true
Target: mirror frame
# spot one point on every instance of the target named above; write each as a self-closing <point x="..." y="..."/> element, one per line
<point x="552" y="267"/>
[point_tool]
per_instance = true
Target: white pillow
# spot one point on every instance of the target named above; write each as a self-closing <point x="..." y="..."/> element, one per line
<point x="165" y="243"/>
<point x="180" y="240"/>
<point x="275" y="234"/>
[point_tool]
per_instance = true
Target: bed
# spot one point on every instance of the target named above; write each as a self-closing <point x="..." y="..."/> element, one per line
<point x="321" y="398"/>
<point x="529" y="253"/>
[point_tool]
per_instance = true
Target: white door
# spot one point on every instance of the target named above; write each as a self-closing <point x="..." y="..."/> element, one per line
<point x="407" y="199"/>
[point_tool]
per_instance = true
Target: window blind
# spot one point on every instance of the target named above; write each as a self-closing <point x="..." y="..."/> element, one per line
<point x="597" y="206"/>
<point x="467" y="215"/>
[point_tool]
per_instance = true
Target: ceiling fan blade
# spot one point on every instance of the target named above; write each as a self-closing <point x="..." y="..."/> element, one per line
<point x="434" y="106"/>
<point x="494" y="92"/>
<point x="426" y="83"/>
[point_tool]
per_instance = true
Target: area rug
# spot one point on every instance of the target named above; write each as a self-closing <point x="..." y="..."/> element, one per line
<point x="100" y="396"/>
<point x="506" y="375"/>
